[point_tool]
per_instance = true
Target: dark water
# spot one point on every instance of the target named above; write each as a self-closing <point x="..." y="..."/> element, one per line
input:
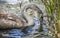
<point x="19" y="33"/>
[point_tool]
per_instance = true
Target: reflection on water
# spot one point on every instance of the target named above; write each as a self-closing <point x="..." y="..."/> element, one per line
<point x="18" y="32"/>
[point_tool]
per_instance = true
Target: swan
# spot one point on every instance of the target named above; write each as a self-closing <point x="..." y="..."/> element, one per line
<point x="10" y="20"/>
<point x="34" y="11"/>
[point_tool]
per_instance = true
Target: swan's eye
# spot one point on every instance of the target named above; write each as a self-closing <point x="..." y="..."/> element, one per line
<point x="30" y="12"/>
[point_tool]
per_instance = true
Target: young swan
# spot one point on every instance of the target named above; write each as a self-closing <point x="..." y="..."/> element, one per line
<point x="9" y="20"/>
<point x="34" y="11"/>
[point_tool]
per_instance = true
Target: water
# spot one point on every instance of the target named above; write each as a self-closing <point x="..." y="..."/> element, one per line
<point x="19" y="33"/>
<point x="36" y="26"/>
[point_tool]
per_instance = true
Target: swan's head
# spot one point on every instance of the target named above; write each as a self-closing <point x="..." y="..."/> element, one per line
<point x="34" y="13"/>
<point x="33" y="10"/>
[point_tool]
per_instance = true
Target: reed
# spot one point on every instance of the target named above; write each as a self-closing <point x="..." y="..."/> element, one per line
<point x="52" y="7"/>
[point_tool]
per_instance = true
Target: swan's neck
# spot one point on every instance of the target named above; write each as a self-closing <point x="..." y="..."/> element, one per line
<point x="29" y="19"/>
